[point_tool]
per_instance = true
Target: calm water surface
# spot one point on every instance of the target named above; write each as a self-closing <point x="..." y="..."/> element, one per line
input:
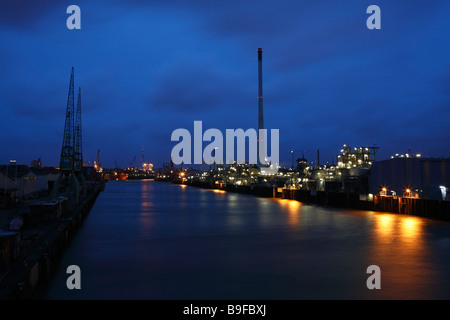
<point x="155" y="240"/>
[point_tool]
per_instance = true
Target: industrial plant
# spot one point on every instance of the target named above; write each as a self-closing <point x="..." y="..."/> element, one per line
<point x="401" y="184"/>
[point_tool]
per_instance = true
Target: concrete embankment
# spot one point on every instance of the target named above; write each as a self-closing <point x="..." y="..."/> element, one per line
<point x="434" y="209"/>
<point x="45" y="236"/>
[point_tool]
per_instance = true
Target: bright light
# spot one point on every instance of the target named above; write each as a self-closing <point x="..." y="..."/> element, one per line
<point x="443" y="192"/>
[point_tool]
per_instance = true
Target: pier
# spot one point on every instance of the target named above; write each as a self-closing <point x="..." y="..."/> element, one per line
<point x="37" y="247"/>
<point x="41" y="222"/>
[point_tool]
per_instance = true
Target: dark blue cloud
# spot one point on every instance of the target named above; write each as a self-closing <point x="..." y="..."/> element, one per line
<point x="21" y="13"/>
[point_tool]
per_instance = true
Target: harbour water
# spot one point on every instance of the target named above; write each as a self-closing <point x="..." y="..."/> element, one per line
<point x="155" y="240"/>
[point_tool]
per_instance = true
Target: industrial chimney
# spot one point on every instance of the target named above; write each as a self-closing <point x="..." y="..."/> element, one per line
<point x="260" y="93"/>
<point x="261" y="149"/>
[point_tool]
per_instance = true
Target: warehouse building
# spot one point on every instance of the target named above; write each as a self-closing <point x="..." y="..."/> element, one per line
<point x="415" y="176"/>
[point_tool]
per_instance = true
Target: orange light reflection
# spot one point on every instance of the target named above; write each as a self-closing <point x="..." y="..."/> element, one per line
<point x="400" y="251"/>
<point x="293" y="208"/>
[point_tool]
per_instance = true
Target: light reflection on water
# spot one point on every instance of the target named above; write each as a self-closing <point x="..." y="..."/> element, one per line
<point x="153" y="240"/>
<point x="401" y="246"/>
<point x="293" y="210"/>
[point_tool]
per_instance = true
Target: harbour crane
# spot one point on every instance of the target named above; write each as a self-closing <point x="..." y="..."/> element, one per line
<point x="97" y="164"/>
<point x="71" y="160"/>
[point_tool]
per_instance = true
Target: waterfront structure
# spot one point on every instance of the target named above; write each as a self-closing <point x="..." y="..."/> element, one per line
<point x="36" y="163"/>
<point x="67" y="150"/>
<point x="28" y="184"/>
<point x="46" y="178"/>
<point x="71" y="176"/>
<point x="55" y="220"/>
<point x="7" y="190"/>
<point x="21" y="182"/>
<point x="350" y="175"/>
<point x="78" y="144"/>
<point x="355" y="172"/>
<point x="97" y="165"/>
<point x="411" y="176"/>
<point x="359" y="157"/>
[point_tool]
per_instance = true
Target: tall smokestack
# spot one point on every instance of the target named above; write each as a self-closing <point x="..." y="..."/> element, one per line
<point x="318" y="159"/>
<point x="260" y="107"/>
<point x="260" y="92"/>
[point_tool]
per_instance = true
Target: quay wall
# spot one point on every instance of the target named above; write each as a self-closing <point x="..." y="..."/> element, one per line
<point x="434" y="209"/>
<point x="34" y="268"/>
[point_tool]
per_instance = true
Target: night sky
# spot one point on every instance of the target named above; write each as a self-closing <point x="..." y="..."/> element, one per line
<point x="147" y="68"/>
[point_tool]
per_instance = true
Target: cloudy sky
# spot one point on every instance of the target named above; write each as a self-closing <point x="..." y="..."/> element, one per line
<point x="147" y="68"/>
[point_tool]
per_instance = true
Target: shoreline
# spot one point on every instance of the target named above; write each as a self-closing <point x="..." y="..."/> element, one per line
<point x="44" y="242"/>
<point x="424" y="208"/>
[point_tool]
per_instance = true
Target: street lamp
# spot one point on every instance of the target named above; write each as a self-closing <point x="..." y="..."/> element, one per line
<point x="408" y="192"/>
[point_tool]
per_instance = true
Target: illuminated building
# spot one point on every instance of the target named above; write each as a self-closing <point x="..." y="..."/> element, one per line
<point x="359" y="157"/>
